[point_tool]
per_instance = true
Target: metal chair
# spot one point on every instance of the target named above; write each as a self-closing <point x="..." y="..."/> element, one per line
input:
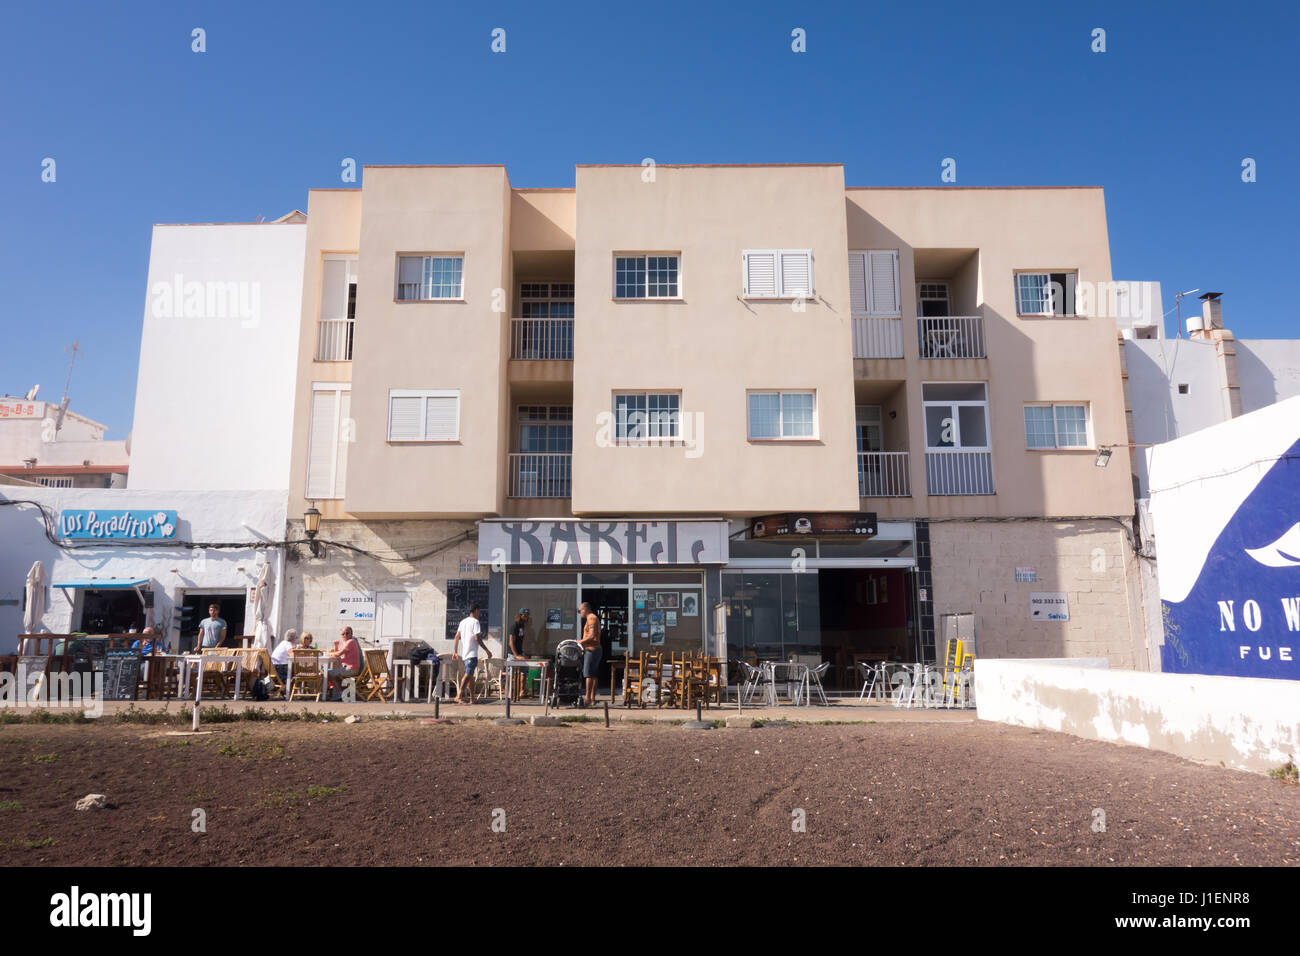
<point x="813" y="681"/>
<point x="753" y="678"/>
<point x="873" y="680"/>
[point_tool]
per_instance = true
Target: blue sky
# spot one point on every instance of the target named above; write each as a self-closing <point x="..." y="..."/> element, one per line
<point x="144" y="130"/>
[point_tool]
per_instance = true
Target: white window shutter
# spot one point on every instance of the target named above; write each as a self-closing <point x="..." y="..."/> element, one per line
<point x="343" y="429"/>
<point x="760" y="273"/>
<point x="441" y="417"/>
<point x="320" y="453"/>
<point x="857" y="283"/>
<point x="404" y="418"/>
<point x="796" y="273"/>
<point x="334" y="289"/>
<point x="883" y="269"/>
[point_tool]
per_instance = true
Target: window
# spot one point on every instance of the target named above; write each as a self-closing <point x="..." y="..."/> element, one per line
<point x="869" y="429"/>
<point x="422" y="278"/>
<point x="775" y="415"/>
<point x="329" y="434"/>
<point x="778" y="273"/>
<point x="546" y="300"/>
<point x="646" y="277"/>
<point x="1056" y="426"/>
<point x="932" y="300"/>
<point x="423" y="415"/>
<point x="54" y="482"/>
<point x="546" y="429"/>
<point x="338" y="289"/>
<point x="645" y="416"/>
<point x="956" y="415"/>
<point x="873" y="283"/>
<point x="1045" y="293"/>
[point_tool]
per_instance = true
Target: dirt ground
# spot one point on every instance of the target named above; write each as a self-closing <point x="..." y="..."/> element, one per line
<point x="403" y="792"/>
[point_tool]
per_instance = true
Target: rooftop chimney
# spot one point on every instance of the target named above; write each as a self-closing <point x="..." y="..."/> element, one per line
<point x="1212" y="310"/>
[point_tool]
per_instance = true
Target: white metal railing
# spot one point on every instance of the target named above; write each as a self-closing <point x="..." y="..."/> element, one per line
<point x="883" y="474"/>
<point x="541" y="339"/>
<point x="959" y="472"/>
<point x="536" y="475"/>
<point x="951" y="336"/>
<point x="334" y="340"/>
<point x="877" y="338"/>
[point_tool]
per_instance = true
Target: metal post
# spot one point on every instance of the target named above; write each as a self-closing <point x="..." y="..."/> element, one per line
<point x="507" y="705"/>
<point x="437" y="704"/>
<point x="607" y="716"/>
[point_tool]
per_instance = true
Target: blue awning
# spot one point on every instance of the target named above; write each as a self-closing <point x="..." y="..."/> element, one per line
<point x="102" y="584"/>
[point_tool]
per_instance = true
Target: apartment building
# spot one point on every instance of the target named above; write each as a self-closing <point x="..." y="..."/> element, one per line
<point x="740" y="407"/>
<point x="46" y="444"/>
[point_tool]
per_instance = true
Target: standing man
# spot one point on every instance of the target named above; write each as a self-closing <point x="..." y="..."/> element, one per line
<point x="591" y="649"/>
<point x="518" y="632"/>
<point x="212" y="629"/>
<point x="468" y="641"/>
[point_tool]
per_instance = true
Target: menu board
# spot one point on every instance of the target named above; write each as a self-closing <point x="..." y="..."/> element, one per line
<point x="461" y="594"/>
<point x="121" y="675"/>
<point x="32" y="667"/>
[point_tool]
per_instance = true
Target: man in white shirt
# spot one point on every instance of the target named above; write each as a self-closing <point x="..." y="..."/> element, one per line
<point x="468" y="641"/>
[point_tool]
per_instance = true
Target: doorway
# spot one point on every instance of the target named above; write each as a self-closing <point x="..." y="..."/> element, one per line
<point x="867" y="614"/>
<point x="194" y="608"/>
<point x="611" y="604"/>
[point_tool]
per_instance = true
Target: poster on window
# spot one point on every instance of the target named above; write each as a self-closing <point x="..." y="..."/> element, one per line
<point x="656" y="634"/>
<point x="670" y="618"/>
<point x="554" y="619"/>
<point x="690" y="605"/>
<point x="666" y="599"/>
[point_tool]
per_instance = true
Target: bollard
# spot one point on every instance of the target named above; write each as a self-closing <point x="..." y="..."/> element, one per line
<point x="507" y="705"/>
<point x="437" y="704"/>
<point x="698" y="714"/>
<point x="606" y="715"/>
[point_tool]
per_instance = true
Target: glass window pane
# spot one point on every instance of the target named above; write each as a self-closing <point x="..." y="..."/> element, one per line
<point x="1032" y="293"/>
<point x="1038" y="427"/>
<point x="953" y="392"/>
<point x="1071" y="426"/>
<point x="797" y="414"/>
<point x="764" y="415"/>
<point x="940" y="428"/>
<point x="630" y="417"/>
<point x="629" y="277"/>
<point x="663" y="415"/>
<point x="973" y="433"/>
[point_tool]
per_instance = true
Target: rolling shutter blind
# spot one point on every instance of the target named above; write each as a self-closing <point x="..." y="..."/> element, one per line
<point x="796" y="273"/>
<point x="760" y="273"/>
<point x="884" y="282"/>
<point x="320" y="454"/>
<point x="441" y="417"/>
<point x="857" y="283"/>
<point x="404" y="418"/>
<point x="343" y="429"/>
<point x="334" y="289"/>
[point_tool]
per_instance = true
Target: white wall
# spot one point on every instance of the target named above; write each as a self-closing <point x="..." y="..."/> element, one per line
<point x="214" y="399"/>
<point x="1247" y="723"/>
<point x="251" y="518"/>
<point x="1268" y="371"/>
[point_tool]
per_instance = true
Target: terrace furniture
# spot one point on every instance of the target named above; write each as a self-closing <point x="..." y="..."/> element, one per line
<point x="487" y="677"/>
<point x="376" y="678"/>
<point x="874" y="681"/>
<point x="796" y="676"/>
<point x="633" y="675"/>
<point x="306" y="679"/>
<point x="754" y="677"/>
<point x="813" y="681"/>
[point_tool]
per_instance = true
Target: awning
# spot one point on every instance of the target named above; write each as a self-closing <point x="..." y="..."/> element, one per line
<point x="103" y="584"/>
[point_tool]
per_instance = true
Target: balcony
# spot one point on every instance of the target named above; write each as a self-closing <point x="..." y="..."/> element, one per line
<point x="334" y="340"/>
<point x="959" y="472"/>
<point x="877" y="338"/>
<point x="884" y="474"/>
<point x="535" y="475"/>
<point x="951" y="337"/>
<point x="541" y="339"/>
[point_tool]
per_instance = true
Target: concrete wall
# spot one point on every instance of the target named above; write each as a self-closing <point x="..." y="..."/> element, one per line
<point x="1268" y="371"/>
<point x="214" y="398"/>
<point x="974" y="568"/>
<point x="1246" y="723"/>
<point x="253" y="518"/>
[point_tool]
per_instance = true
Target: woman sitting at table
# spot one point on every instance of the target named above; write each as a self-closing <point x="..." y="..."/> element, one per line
<point x="306" y="641"/>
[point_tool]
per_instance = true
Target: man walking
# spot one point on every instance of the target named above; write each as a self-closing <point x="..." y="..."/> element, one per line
<point x="468" y="641"/>
<point x="591" y="650"/>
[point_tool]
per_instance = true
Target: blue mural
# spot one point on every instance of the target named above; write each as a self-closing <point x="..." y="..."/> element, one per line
<point x="1242" y="617"/>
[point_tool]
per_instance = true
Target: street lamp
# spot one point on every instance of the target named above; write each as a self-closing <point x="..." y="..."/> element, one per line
<point x="311" y="525"/>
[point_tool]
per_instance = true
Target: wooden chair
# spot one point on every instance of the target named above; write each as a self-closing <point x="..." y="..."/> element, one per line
<point x="375" y="679"/>
<point x="218" y="671"/>
<point x="306" y="679"/>
<point x="633" y="673"/>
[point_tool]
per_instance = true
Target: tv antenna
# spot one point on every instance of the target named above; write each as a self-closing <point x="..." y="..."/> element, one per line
<point x="63" y="405"/>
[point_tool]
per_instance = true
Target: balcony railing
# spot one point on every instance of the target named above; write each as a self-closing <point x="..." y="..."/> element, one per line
<point x="959" y="472"/>
<point x="877" y="338"/>
<point x="541" y="339"/>
<point x="535" y="475"/>
<point x="951" y="336"/>
<point x="334" y="340"/>
<point x="883" y="474"/>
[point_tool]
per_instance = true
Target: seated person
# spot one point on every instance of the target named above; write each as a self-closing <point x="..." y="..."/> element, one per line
<point x="347" y="653"/>
<point x="280" y="656"/>
<point x="149" y="641"/>
<point x="305" y="642"/>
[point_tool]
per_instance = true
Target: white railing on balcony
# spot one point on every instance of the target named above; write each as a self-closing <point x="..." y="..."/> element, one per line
<point x="534" y="475"/>
<point x="951" y="336"/>
<point x="334" y="340"/>
<point x="877" y="338"/>
<point x="883" y="474"/>
<point x="541" y="339"/>
<point x="959" y="472"/>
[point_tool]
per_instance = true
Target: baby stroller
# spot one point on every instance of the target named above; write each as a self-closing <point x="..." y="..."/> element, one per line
<point x="568" y="685"/>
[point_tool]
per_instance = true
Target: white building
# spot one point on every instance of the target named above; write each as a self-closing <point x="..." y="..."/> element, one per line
<point x="42" y="444"/>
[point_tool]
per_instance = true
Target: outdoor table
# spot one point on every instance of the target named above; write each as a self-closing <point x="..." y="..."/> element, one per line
<point x="190" y="661"/>
<point x="614" y="664"/>
<point x="156" y="677"/>
<point x="525" y="664"/>
<point x="796" y="674"/>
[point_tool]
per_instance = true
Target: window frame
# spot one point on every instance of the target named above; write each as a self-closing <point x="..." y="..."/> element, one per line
<point x="644" y="256"/>
<point x="955" y="403"/>
<point x="1056" y="431"/>
<point x="781" y="393"/>
<point x="554" y="419"/>
<point x="422" y="393"/>
<point x="397" y="278"/>
<point x="1072" y="314"/>
<point x="550" y="298"/>
<point x="780" y="293"/>
<point x="335" y="480"/>
<point x="623" y="440"/>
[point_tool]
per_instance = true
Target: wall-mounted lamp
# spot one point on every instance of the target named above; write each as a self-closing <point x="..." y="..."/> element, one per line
<point x="1103" y="457"/>
<point x="311" y="525"/>
<point x="893" y="414"/>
